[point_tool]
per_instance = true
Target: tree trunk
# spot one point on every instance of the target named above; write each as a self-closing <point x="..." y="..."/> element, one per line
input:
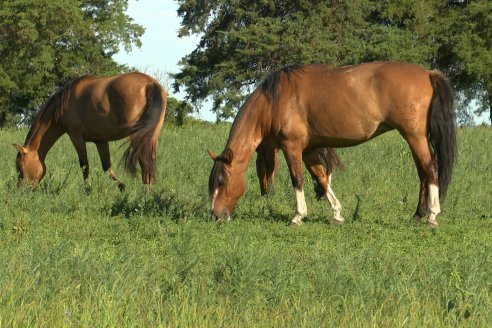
<point x="490" y="105"/>
<point x="488" y="85"/>
<point x="489" y="91"/>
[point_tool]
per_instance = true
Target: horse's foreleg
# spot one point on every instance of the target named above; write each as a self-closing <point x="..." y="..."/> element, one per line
<point x="103" y="150"/>
<point x="79" y="144"/>
<point x="266" y="167"/>
<point x="293" y="156"/>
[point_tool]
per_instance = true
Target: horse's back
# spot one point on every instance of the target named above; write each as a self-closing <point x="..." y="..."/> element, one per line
<point x="348" y="105"/>
<point x="105" y="107"/>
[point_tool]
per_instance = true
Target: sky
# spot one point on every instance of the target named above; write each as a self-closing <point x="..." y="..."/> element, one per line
<point x="161" y="49"/>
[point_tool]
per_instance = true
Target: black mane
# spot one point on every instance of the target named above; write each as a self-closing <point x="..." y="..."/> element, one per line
<point x="271" y="84"/>
<point x="55" y="106"/>
<point x="217" y="177"/>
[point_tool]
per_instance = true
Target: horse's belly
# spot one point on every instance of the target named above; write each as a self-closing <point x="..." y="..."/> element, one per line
<point x="107" y="134"/>
<point x="346" y="137"/>
<point x="104" y="128"/>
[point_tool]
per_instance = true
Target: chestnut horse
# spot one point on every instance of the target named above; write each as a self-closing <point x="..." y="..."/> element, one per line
<point x="320" y="163"/>
<point x="303" y="107"/>
<point x="98" y="109"/>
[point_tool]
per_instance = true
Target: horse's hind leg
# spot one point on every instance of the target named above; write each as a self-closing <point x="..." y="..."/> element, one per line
<point x="427" y="169"/>
<point x="103" y="150"/>
<point x="147" y="165"/>
<point x="146" y="177"/>
<point x="421" y="210"/>
<point x="316" y="168"/>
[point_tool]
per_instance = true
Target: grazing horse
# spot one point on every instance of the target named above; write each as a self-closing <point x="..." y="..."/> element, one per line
<point x="98" y="109"/>
<point x="320" y="163"/>
<point x="300" y="108"/>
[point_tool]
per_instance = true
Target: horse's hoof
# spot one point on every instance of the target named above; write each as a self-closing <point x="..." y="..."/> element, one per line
<point x="432" y="224"/>
<point x="296" y="221"/>
<point x="88" y="189"/>
<point x="121" y="186"/>
<point x="417" y="218"/>
<point x="338" y="222"/>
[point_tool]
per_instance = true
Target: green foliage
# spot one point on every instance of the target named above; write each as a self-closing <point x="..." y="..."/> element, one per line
<point x="465" y="55"/>
<point x="242" y="41"/>
<point x="177" y="111"/>
<point x="46" y="43"/>
<point x="156" y="259"/>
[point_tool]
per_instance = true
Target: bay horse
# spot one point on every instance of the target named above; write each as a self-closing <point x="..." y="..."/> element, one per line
<point x="320" y="163"/>
<point x="302" y="107"/>
<point x="98" y="110"/>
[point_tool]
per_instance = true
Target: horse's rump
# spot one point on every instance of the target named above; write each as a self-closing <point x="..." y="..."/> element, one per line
<point x="144" y="133"/>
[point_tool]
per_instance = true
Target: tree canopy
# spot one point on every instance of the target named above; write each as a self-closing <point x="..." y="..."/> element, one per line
<point x="46" y="43"/>
<point x="242" y="41"/>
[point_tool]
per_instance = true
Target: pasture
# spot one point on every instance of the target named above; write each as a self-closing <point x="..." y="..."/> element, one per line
<point x="156" y="259"/>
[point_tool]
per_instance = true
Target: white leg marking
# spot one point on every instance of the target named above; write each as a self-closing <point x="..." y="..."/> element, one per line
<point x="335" y="204"/>
<point x="434" y="205"/>
<point x="301" y="211"/>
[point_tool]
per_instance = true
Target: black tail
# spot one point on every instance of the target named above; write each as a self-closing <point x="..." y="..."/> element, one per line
<point x="442" y="130"/>
<point x="330" y="160"/>
<point x="144" y="135"/>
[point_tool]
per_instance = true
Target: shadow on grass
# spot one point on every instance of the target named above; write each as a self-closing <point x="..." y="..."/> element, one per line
<point x="159" y="204"/>
<point x="326" y="216"/>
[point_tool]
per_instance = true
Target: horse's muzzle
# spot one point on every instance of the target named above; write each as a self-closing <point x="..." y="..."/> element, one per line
<point x="223" y="216"/>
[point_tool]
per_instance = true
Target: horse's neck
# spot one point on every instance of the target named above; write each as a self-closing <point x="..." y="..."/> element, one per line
<point x="43" y="137"/>
<point x="247" y="133"/>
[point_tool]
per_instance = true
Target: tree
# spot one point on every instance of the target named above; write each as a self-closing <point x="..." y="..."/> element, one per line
<point x="465" y="54"/>
<point x="242" y="41"/>
<point x="46" y="43"/>
<point x="177" y="111"/>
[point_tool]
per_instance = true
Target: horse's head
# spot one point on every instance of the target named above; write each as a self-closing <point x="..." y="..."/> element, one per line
<point x="226" y="185"/>
<point x="30" y="169"/>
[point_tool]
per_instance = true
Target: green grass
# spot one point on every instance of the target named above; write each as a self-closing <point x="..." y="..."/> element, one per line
<point x="155" y="258"/>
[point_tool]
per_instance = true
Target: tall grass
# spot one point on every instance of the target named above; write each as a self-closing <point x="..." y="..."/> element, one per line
<point x="155" y="258"/>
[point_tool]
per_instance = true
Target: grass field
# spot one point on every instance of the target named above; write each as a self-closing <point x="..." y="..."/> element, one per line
<point x="156" y="259"/>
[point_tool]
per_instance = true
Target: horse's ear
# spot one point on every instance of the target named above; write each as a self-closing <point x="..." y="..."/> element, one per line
<point x="20" y="149"/>
<point x="227" y="156"/>
<point x="212" y="155"/>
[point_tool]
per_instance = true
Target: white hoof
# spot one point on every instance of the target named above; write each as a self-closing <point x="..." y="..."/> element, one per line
<point x="432" y="223"/>
<point x="339" y="220"/>
<point x="337" y="217"/>
<point x="297" y="220"/>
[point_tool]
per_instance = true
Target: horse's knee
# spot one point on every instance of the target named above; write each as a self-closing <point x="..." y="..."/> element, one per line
<point x="297" y="181"/>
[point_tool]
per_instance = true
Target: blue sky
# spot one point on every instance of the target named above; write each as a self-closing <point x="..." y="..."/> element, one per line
<point x="161" y="48"/>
